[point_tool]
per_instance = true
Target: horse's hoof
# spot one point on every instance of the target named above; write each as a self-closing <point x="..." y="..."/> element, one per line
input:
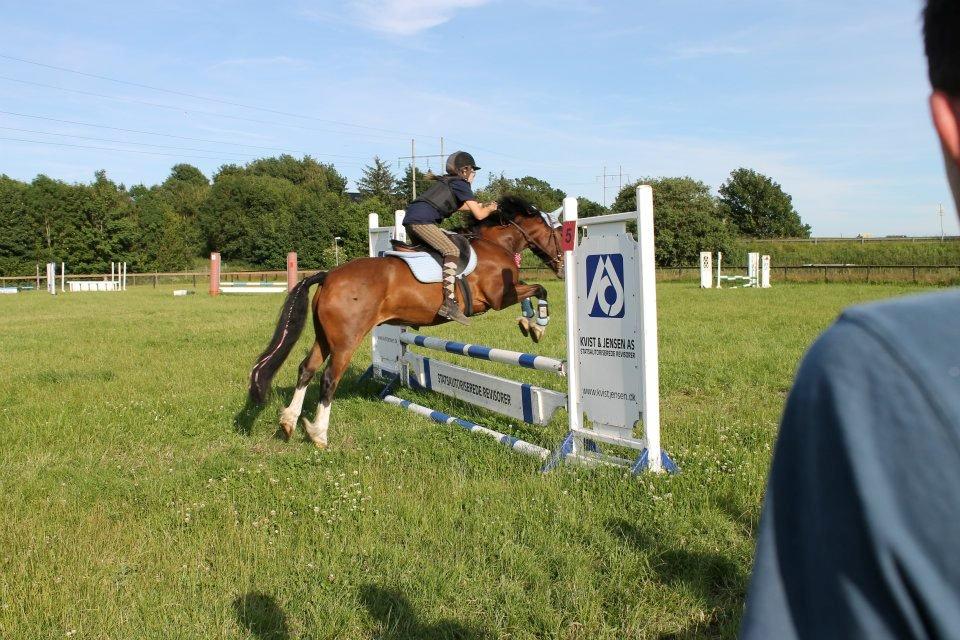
<point x="320" y="445"/>
<point x="536" y="332"/>
<point x="288" y="422"/>
<point x="524" y="325"/>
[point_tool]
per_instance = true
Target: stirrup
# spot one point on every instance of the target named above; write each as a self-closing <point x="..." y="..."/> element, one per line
<point x="451" y="311"/>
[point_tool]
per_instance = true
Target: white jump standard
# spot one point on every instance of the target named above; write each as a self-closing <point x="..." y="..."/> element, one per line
<point x="611" y="335"/>
<point x="758" y="272"/>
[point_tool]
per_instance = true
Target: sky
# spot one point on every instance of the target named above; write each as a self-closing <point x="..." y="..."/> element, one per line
<point x="827" y="98"/>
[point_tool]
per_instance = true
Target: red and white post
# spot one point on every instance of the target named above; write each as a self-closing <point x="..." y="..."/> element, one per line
<point x="291" y="271"/>
<point x="214" y="274"/>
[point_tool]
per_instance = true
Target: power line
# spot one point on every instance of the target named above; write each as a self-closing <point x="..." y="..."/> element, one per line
<point x="83" y="146"/>
<point x="189" y="111"/>
<point x="139" y="144"/>
<point x="172" y="135"/>
<point x="144" y="144"/>
<point x="343" y="123"/>
<point x="404" y="134"/>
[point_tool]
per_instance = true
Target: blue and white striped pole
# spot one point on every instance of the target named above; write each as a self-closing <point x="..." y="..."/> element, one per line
<point x="521" y="446"/>
<point x="503" y="356"/>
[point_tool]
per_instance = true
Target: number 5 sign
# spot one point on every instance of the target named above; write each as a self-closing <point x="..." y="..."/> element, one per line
<point x="568" y="235"/>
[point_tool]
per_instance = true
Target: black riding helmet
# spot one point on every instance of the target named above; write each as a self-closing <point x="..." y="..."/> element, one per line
<point x="458" y="160"/>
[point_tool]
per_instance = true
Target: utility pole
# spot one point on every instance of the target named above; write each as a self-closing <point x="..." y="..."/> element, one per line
<point x="941" y="222"/>
<point x="604" y="177"/>
<point x="413" y="163"/>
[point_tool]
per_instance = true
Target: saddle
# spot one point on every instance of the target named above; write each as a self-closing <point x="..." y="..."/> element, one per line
<point x="426" y="263"/>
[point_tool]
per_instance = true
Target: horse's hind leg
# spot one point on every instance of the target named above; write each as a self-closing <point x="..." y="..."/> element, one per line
<point x="309" y="366"/>
<point x="317" y="430"/>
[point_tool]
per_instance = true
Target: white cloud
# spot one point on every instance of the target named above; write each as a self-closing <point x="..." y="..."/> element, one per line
<point x="408" y="17"/>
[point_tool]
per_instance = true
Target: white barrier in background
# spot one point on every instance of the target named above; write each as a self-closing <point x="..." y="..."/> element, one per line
<point x="217" y="287"/>
<point x="758" y="272"/>
<point x="117" y="281"/>
<point x="611" y="367"/>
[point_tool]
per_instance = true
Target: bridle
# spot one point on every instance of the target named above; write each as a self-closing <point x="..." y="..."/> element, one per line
<point x="556" y="262"/>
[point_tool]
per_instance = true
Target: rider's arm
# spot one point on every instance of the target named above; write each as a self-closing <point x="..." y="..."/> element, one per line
<point x="479" y="211"/>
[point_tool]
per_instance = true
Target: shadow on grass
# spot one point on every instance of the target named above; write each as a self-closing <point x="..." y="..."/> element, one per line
<point x="399" y="621"/>
<point x="716" y="580"/>
<point x="246" y="416"/>
<point x="262" y="616"/>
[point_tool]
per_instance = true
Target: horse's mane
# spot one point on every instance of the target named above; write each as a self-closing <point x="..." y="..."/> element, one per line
<point x="508" y="208"/>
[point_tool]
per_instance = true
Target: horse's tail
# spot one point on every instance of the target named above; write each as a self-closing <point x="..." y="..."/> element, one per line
<point x="293" y="316"/>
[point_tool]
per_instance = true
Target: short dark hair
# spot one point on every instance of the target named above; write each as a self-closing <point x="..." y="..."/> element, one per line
<point x="941" y="39"/>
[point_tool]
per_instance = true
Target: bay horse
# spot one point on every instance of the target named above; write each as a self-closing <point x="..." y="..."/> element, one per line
<point x="366" y="292"/>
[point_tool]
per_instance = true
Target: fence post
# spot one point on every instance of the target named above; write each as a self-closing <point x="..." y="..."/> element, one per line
<point x="825" y="275"/>
<point x="914" y="275"/>
<point x="154" y="279"/>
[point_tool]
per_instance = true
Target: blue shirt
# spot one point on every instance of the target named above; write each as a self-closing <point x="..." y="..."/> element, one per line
<point x="424" y="212"/>
<point x="860" y="532"/>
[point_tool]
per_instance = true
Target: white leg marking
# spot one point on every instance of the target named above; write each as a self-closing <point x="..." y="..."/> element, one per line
<point x="288" y="418"/>
<point x="317" y="430"/>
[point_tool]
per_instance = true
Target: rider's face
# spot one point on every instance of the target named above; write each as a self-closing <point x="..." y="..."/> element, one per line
<point x="469" y="174"/>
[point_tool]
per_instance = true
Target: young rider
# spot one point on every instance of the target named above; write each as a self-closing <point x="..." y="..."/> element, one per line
<point x="448" y="194"/>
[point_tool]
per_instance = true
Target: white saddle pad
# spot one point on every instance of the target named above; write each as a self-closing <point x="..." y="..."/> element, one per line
<point x="426" y="269"/>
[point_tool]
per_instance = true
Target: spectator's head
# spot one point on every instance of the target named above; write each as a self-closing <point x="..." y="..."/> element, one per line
<point x="941" y="35"/>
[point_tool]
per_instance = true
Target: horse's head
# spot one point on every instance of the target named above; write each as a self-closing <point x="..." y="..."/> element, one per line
<point x="539" y="231"/>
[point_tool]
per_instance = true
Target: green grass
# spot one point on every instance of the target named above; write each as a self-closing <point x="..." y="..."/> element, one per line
<point x="887" y="252"/>
<point x="141" y="501"/>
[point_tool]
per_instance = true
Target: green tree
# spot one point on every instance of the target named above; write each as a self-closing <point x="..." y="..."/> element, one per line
<point x="18" y="242"/>
<point x="404" y="192"/>
<point x="759" y="208"/>
<point x="185" y="189"/>
<point x="686" y="221"/>
<point x="86" y="226"/>
<point x="537" y="192"/>
<point x="163" y="240"/>
<point x="188" y="174"/>
<point x="587" y="208"/>
<point x="307" y="173"/>
<point x="378" y="182"/>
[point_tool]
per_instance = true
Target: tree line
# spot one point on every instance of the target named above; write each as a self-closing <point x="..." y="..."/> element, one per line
<point x="254" y="214"/>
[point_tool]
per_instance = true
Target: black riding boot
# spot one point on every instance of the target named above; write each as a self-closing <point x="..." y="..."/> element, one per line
<point x="449" y="309"/>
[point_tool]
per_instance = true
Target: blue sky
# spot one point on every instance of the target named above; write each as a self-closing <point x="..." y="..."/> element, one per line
<point x="827" y="98"/>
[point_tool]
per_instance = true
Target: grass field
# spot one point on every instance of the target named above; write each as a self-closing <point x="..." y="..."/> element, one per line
<point x="140" y="500"/>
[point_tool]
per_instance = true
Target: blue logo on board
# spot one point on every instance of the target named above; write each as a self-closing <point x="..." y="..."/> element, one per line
<point x="605" y="285"/>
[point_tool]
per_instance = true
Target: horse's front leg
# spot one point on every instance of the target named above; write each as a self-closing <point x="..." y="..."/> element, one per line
<point x="533" y="323"/>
